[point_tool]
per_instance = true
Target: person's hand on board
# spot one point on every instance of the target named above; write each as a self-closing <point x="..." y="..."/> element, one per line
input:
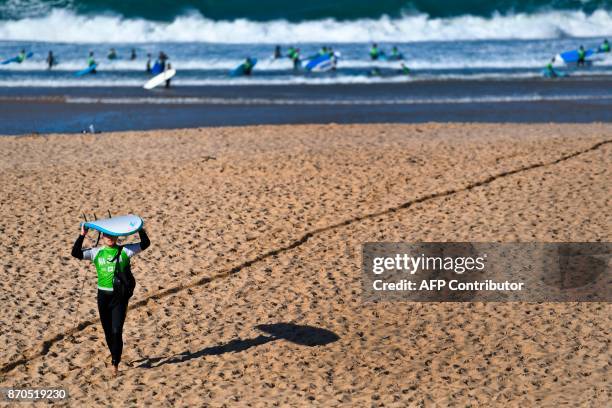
<point x="84" y="230"/>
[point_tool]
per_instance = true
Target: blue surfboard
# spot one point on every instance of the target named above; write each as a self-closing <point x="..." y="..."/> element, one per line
<point x="157" y="68"/>
<point x="16" y="59"/>
<point x="572" y="56"/>
<point x="240" y="69"/>
<point x="317" y="61"/>
<point x="86" y="70"/>
<point x="117" y="226"/>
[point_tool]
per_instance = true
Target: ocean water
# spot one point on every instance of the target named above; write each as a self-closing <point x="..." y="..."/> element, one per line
<point x="266" y="10"/>
<point x="442" y="41"/>
<point x="209" y="63"/>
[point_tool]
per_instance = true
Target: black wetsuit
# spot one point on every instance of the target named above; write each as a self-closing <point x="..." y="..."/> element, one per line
<point x="111" y="309"/>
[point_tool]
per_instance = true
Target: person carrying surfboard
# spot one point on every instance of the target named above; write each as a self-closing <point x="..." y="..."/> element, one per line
<point x="112" y="308"/>
<point x="581" y="56"/>
<point x="162" y="58"/>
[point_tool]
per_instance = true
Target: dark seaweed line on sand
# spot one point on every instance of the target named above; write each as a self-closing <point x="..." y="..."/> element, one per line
<point x="46" y="345"/>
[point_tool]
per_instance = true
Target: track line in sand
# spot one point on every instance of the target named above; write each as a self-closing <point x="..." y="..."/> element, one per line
<point x="47" y="344"/>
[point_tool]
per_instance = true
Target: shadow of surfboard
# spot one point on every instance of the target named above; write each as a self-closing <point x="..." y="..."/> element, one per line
<point x="298" y="334"/>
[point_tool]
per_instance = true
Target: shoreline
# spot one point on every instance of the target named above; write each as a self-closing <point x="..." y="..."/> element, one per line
<point x="72" y="110"/>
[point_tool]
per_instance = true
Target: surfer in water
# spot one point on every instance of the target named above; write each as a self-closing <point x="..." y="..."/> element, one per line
<point x="168" y="66"/>
<point x="277" y="52"/>
<point x="375" y="52"/>
<point x="248" y="66"/>
<point x="395" y="54"/>
<point x="294" y="55"/>
<point x="162" y="59"/>
<point x="112" y="309"/>
<point x="112" y="54"/>
<point x="91" y="61"/>
<point x="549" y="71"/>
<point x="21" y="57"/>
<point x="581" y="56"/>
<point x="605" y="46"/>
<point x="375" y="72"/>
<point x="148" y="66"/>
<point x="133" y="55"/>
<point x="51" y="61"/>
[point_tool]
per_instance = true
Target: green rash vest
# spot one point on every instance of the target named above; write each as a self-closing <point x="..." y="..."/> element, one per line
<point x="104" y="260"/>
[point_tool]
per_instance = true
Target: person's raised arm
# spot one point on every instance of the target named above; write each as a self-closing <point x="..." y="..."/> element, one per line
<point x="77" y="248"/>
<point x="144" y="239"/>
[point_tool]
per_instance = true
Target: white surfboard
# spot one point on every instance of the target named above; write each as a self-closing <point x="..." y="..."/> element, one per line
<point x="160" y="79"/>
<point x="117" y="226"/>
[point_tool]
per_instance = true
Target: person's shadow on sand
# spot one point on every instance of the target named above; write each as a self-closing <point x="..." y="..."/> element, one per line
<point x="298" y="334"/>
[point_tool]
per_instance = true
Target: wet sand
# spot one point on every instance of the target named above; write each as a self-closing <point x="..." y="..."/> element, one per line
<point x="26" y="110"/>
<point x="250" y="293"/>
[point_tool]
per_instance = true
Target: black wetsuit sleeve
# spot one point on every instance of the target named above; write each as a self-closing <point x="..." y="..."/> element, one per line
<point x="77" y="250"/>
<point x="144" y="239"/>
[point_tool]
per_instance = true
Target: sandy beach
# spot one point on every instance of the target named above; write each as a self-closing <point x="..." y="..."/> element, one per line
<point x="251" y="291"/>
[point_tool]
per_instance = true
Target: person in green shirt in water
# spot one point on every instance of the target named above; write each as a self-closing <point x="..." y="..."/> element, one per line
<point x="91" y="61"/>
<point x="404" y="69"/>
<point x="323" y="51"/>
<point x="549" y="71"/>
<point x="247" y="66"/>
<point x="375" y="52"/>
<point x="581" y="56"/>
<point x="395" y="54"/>
<point x="605" y="46"/>
<point x="294" y="55"/>
<point x="111" y="308"/>
<point x="21" y="57"/>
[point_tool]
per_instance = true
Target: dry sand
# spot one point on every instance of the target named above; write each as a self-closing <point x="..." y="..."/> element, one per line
<point x="264" y="226"/>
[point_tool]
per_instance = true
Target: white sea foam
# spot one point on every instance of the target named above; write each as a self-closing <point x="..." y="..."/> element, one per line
<point x="37" y="63"/>
<point x="93" y="82"/>
<point x="65" y="26"/>
<point x="333" y="102"/>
